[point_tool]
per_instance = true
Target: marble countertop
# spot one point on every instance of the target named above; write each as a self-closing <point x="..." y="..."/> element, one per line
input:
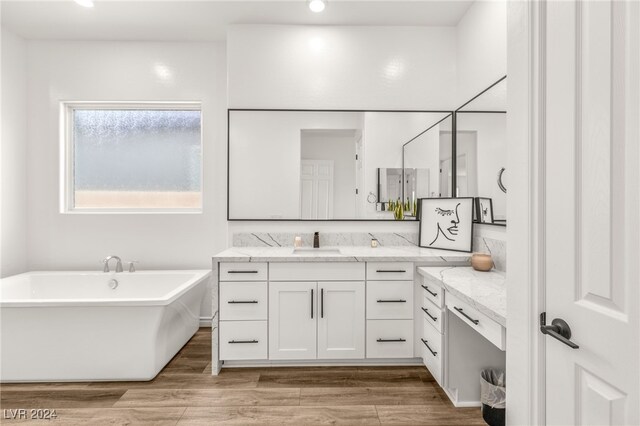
<point x="346" y="254"/>
<point x="485" y="291"/>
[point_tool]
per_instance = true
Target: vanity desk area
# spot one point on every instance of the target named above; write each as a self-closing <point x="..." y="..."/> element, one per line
<point x="404" y="305"/>
<point x="464" y="327"/>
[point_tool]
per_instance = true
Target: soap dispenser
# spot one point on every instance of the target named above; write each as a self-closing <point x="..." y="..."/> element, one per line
<point x="316" y="240"/>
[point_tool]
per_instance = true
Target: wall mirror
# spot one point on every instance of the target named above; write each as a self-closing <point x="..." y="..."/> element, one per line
<point x="332" y="165"/>
<point x="481" y="153"/>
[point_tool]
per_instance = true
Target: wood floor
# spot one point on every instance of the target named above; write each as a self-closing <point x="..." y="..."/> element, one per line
<point x="185" y="393"/>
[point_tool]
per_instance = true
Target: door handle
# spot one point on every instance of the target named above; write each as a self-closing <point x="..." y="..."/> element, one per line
<point x="559" y="330"/>
<point x="430" y="316"/>
<point x="322" y="303"/>
<point x="428" y="347"/>
<point x="311" y="303"/>
<point x="242" y="272"/>
<point x="241" y="301"/>
<point x="397" y="271"/>
<point x="475" y="321"/>
<point x="242" y="341"/>
<point x="430" y="292"/>
<point x="390" y="340"/>
<point x="391" y="301"/>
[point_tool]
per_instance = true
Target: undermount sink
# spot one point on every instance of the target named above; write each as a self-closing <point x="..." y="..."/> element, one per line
<point x="311" y="250"/>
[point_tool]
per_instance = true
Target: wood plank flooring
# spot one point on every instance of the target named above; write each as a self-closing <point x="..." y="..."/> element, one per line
<point x="185" y="393"/>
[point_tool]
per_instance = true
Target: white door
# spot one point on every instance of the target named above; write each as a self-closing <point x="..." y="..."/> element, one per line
<point x="292" y="320"/>
<point x="592" y="215"/>
<point x="341" y="320"/>
<point x="316" y="189"/>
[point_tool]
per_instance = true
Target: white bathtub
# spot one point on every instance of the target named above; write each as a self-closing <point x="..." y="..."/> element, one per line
<point x="72" y="326"/>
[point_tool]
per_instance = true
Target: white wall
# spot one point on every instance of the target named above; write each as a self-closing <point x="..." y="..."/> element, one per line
<point x="13" y="154"/>
<point x="123" y="71"/>
<point x="341" y="67"/>
<point x="481" y="48"/>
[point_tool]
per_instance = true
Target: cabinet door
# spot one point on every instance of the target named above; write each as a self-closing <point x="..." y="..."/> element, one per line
<point x="341" y="320"/>
<point x="292" y="320"/>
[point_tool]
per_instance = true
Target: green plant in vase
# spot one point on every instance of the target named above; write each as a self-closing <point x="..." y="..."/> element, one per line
<point x="399" y="211"/>
<point x="414" y="210"/>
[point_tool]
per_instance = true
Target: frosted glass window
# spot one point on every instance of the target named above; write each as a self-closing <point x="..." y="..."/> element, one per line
<point x="135" y="159"/>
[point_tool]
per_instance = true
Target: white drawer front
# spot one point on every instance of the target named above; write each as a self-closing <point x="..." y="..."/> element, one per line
<point x="432" y="315"/>
<point x="491" y="330"/>
<point x="316" y="271"/>
<point x="432" y="344"/>
<point x="243" y="271"/>
<point x="389" y="271"/>
<point x="433" y="291"/>
<point x="389" y="299"/>
<point x="242" y="340"/>
<point x="243" y="301"/>
<point x="389" y="339"/>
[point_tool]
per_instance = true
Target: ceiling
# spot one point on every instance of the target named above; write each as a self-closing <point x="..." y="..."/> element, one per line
<point x="180" y="20"/>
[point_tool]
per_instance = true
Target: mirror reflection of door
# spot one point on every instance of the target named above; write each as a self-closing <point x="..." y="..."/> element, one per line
<point x="316" y="189"/>
<point x="328" y="178"/>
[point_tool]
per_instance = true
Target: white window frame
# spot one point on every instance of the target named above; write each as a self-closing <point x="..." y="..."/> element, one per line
<point x="67" y="188"/>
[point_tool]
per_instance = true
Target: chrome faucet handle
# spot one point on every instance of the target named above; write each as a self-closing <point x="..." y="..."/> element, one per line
<point x="132" y="265"/>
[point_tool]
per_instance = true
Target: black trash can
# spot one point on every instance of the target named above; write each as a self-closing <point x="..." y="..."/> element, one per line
<point x="493" y="396"/>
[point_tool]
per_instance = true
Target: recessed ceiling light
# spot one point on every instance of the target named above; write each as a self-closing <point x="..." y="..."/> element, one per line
<point x="317" y="5"/>
<point x="85" y="3"/>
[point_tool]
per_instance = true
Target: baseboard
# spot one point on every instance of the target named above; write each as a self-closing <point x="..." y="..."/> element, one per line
<point x="326" y="363"/>
<point x="460" y="404"/>
<point x="205" y="321"/>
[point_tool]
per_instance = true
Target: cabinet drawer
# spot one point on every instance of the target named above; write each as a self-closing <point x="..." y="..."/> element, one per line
<point x="433" y="291"/>
<point x="390" y="300"/>
<point x="491" y="330"/>
<point x="377" y="271"/>
<point x="243" y="340"/>
<point x="432" y="315"/>
<point x="317" y="271"/>
<point x="243" y="301"/>
<point x="243" y="271"/>
<point x="389" y="339"/>
<point x="432" y="345"/>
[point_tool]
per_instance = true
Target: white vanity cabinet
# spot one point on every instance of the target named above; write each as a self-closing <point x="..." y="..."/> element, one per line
<point x="316" y="320"/>
<point x="432" y="340"/>
<point x="390" y="310"/>
<point x="292" y="320"/>
<point x="243" y="311"/>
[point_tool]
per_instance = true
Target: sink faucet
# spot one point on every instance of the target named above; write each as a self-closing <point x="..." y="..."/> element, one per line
<point x="316" y="240"/>
<point x="118" y="264"/>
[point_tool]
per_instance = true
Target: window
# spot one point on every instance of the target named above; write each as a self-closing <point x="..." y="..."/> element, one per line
<point x="138" y="157"/>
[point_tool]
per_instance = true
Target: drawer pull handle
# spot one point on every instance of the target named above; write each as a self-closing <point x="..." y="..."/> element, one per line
<point x="242" y="301"/>
<point x="391" y="340"/>
<point x="430" y="316"/>
<point x="430" y="350"/>
<point x="475" y="321"/>
<point x="429" y="291"/>
<point x="391" y="301"/>
<point x="242" y="272"/>
<point x="311" y="303"/>
<point x="397" y="271"/>
<point x="242" y="341"/>
<point x="322" y="303"/>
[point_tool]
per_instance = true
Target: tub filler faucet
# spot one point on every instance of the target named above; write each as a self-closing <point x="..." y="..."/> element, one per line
<point x="118" y="264"/>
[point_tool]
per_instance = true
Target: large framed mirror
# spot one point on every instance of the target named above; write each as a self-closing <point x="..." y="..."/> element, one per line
<point x="481" y="153"/>
<point x="332" y="165"/>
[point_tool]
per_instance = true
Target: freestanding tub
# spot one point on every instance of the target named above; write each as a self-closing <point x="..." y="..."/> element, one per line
<point x="73" y="326"/>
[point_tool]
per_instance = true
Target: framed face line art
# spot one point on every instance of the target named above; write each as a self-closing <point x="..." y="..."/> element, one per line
<point x="446" y="223"/>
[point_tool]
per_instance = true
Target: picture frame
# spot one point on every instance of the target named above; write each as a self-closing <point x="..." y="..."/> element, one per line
<point x="484" y="209"/>
<point x="446" y="223"/>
